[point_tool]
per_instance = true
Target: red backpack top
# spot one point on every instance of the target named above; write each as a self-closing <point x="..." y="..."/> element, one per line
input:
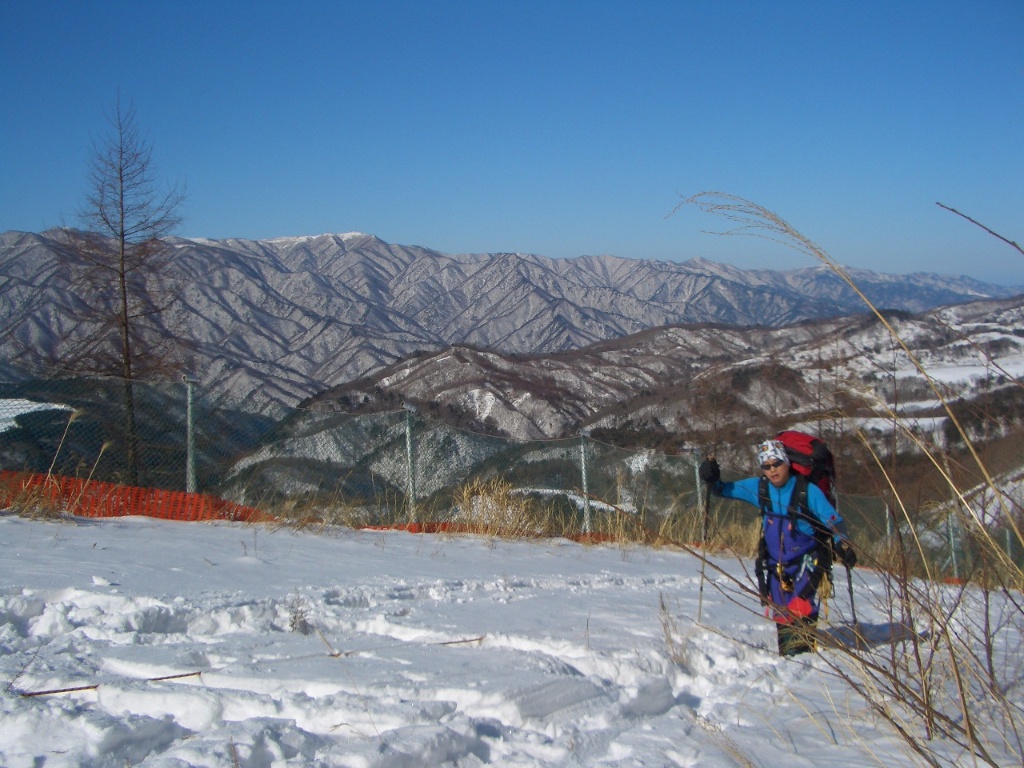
<point x="811" y="457"/>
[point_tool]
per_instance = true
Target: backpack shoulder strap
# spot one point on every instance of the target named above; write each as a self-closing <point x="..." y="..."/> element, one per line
<point x="798" y="501"/>
<point x="798" y="505"/>
<point x="763" y="500"/>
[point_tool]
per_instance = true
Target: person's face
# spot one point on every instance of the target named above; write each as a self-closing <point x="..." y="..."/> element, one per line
<point x="776" y="471"/>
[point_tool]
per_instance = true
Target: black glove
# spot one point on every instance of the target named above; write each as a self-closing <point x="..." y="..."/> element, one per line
<point x="845" y="554"/>
<point x="709" y="471"/>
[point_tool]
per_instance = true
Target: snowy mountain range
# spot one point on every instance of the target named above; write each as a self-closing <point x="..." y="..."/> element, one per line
<point x="698" y="384"/>
<point x="283" y="320"/>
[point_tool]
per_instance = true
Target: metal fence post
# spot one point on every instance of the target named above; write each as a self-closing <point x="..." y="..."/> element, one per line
<point x="697" y="485"/>
<point x="952" y="545"/>
<point x="190" y="436"/>
<point x="410" y="466"/>
<point x="583" y="473"/>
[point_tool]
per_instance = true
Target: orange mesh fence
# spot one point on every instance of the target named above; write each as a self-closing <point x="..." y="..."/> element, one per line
<point x="93" y="498"/>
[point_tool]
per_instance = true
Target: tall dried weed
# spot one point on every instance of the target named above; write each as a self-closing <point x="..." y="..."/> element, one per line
<point x="942" y="671"/>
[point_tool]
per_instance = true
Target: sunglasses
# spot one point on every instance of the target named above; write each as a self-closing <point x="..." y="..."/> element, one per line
<point x="772" y="465"/>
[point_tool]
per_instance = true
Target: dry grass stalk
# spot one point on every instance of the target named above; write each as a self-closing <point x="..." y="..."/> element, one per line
<point x="491" y="507"/>
<point x="939" y="681"/>
<point x="35" y="503"/>
<point x="676" y="649"/>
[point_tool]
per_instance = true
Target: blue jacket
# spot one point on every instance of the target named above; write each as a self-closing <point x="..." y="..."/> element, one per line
<point x="789" y="558"/>
<point x="819" y="506"/>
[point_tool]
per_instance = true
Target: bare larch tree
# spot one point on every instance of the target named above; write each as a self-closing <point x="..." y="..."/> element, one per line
<point x="116" y="261"/>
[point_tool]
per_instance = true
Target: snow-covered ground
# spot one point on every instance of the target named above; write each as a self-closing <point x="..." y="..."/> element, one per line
<point x="161" y="644"/>
<point x="10" y="410"/>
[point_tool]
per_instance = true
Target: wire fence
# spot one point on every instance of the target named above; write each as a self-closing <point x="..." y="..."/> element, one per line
<point x="381" y="468"/>
<point x="392" y="465"/>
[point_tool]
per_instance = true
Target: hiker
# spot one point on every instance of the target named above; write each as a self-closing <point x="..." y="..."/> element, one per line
<point x="800" y="530"/>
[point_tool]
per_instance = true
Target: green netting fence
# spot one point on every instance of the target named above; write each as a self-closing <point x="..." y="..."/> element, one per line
<point x="392" y="465"/>
<point x="381" y="468"/>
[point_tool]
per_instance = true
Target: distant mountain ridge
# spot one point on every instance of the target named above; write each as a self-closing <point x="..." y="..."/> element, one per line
<point x="281" y="320"/>
<point x="701" y="378"/>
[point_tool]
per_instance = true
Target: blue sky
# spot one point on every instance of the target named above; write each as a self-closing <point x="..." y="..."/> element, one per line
<point x="561" y="129"/>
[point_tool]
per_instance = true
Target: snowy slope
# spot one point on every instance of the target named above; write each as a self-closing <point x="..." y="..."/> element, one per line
<point x="222" y="645"/>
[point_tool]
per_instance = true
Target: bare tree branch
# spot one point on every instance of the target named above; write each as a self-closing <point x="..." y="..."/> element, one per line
<point x="979" y="224"/>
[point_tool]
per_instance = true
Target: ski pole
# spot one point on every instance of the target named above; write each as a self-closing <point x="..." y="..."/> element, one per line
<point x="853" y="607"/>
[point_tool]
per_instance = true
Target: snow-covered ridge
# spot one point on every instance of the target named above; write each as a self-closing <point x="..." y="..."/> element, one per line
<point x="655" y="378"/>
<point x="283" y="319"/>
<point x="182" y="242"/>
<point x="308" y="238"/>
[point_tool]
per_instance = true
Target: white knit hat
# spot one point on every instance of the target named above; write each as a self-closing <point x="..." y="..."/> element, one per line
<point x="772" y="449"/>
